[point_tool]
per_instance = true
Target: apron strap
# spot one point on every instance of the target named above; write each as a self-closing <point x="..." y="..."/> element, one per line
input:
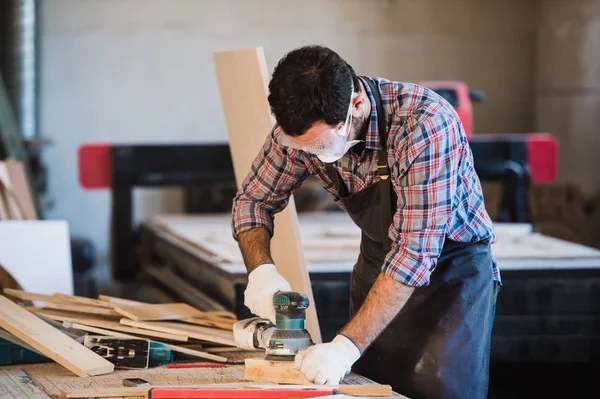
<point x="383" y="169"/>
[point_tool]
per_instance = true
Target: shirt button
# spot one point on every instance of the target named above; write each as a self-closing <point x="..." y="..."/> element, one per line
<point x="358" y="163"/>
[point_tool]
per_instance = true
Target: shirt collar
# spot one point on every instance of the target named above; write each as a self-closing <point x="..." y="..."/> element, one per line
<point x="372" y="136"/>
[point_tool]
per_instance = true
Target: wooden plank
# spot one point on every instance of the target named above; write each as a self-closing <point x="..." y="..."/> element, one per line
<point x="120" y="301"/>
<point x="16" y="384"/>
<point x="85" y="309"/>
<point x="242" y="77"/>
<point x="12" y="205"/>
<point x="367" y="390"/>
<point x="31" y="296"/>
<point x="21" y="188"/>
<point x="111" y="325"/>
<point x="275" y="372"/>
<point x="174" y="348"/>
<point x="202" y="333"/>
<point x="85" y="301"/>
<point x="50" y="341"/>
<point x="158" y="312"/>
<point x="217" y="323"/>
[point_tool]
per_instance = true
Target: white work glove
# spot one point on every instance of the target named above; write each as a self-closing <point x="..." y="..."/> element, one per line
<point x="263" y="283"/>
<point x="328" y="363"/>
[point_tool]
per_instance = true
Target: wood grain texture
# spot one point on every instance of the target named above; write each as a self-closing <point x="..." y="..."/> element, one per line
<point x="50" y="341"/>
<point x="110" y="325"/>
<point x="120" y="301"/>
<point x="243" y="79"/>
<point x="81" y="300"/>
<point x="84" y="309"/>
<point x="30" y="296"/>
<point x="198" y="332"/>
<point x="223" y="324"/>
<point x="366" y="390"/>
<point x="276" y="372"/>
<point x="158" y="312"/>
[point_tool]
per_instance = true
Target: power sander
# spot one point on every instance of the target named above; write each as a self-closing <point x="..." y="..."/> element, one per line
<point x="283" y="340"/>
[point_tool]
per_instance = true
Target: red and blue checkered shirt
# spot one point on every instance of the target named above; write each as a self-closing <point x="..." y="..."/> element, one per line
<point x="439" y="193"/>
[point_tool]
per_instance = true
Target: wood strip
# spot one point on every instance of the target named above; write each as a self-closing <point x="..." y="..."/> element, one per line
<point x="242" y="77"/>
<point x="275" y="372"/>
<point x="158" y="312"/>
<point x="369" y="390"/>
<point x="120" y="301"/>
<point x="85" y="301"/>
<point x="174" y="348"/>
<point x="30" y="296"/>
<point x="112" y="325"/>
<point x="217" y="323"/>
<point x="21" y="188"/>
<point x="85" y="309"/>
<point x="50" y="341"/>
<point x="202" y="333"/>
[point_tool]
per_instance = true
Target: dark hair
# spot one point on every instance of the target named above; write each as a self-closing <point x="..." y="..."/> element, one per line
<point x="310" y="84"/>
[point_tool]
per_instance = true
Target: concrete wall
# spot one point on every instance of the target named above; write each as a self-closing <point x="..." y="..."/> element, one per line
<point x="568" y="86"/>
<point x="140" y="71"/>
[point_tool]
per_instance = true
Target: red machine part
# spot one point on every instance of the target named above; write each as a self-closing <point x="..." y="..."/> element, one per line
<point x="95" y="166"/>
<point x="182" y="393"/>
<point x="542" y="157"/>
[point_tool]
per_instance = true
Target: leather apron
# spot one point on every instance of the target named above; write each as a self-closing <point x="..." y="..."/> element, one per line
<point x="438" y="345"/>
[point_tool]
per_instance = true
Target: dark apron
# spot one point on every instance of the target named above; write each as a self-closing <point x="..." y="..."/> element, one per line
<point x="438" y="345"/>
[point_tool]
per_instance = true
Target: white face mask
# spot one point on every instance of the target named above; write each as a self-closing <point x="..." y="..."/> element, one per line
<point x="332" y="157"/>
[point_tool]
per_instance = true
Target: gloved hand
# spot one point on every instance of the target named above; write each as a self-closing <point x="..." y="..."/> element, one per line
<point x="328" y="363"/>
<point x="263" y="283"/>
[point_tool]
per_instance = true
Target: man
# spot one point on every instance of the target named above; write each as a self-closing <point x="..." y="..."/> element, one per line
<point x="396" y="158"/>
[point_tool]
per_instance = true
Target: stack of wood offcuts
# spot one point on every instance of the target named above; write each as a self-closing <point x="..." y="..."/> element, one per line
<point x="49" y="325"/>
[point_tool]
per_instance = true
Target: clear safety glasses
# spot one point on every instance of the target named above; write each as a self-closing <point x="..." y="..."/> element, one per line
<point x="331" y="141"/>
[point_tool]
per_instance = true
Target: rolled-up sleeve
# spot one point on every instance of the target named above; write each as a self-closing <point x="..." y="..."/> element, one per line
<point x="425" y="186"/>
<point x="274" y="175"/>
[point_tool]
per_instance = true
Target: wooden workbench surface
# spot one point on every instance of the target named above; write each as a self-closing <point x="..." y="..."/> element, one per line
<point x="55" y="379"/>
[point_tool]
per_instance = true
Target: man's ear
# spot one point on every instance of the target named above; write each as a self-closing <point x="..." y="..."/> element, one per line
<point x="358" y="104"/>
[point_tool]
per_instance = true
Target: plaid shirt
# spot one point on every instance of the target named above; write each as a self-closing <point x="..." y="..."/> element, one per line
<point x="439" y="193"/>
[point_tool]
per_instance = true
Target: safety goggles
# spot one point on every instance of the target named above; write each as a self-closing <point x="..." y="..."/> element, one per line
<point x="331" y="141"/>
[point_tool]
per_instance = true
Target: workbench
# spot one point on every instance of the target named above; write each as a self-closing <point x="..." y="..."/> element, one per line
<point x="54" y="379"/>
<point x="548" y="309"/>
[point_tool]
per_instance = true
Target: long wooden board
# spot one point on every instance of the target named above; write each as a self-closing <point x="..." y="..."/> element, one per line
<point x="223" y="324"/>
<point x="158" y="312"/>
<point x="242" y="77"/>
<point x="174" y="348"/>
<point x="119" y="301"/>
<point x="50" y="341"/>
<point x="111" y="325"/>
<point x="202" y="333"/>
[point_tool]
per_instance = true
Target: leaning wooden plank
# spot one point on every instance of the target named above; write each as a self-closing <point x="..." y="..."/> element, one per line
<point x="50" y="341"/>
<point x="85" y="309"/>
<point x="202" y="333"/>
<point x="174" y="348"/>
<point x="157" y="312"/>
<point x="85" y="301"/>
<point x="242" y="77"/>
<point x="277" y="372"/>
<point x="111" y="325"/>
<point x="120" y="301"/>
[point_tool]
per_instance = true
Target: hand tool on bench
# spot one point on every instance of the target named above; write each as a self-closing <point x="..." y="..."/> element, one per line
<point x="282" y="340"/>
